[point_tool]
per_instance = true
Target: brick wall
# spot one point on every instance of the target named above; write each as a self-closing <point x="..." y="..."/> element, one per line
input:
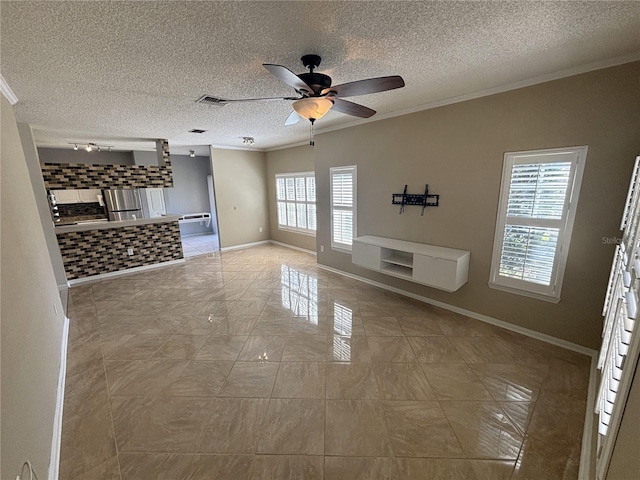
<point x="94" y="252"/>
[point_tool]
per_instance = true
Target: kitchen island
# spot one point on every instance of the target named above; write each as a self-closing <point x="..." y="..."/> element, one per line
<point x="94" y="250"/>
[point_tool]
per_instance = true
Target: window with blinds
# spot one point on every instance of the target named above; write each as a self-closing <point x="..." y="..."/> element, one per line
<point x="620" y="339"/>
<point x="343" y="207"/>
<point x="296" y="201"/>
<point x="537" y="206"/>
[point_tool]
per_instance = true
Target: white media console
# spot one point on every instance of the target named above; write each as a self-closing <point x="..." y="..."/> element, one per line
<point x="438" y="267"/>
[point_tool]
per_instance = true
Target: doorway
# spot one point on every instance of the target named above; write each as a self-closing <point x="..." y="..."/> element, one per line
<point x="193" y="198"/>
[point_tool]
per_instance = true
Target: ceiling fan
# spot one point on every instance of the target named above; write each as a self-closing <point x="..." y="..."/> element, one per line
<point x="317" y="96"/>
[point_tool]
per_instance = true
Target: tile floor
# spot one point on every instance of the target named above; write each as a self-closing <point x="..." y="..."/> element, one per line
<point x="256" y="364"/>
<point x="199" y="245"/>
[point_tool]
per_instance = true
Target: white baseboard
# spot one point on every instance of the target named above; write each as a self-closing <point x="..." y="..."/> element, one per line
<point x="275" y="242"/>
<point x="586" y="452"/>
<point x="54" y="461"/>
<point x="197" y="234"/>
<point x="120" y="273"/>
<point x="244" y="245"/>
<point x="478" y="316"/>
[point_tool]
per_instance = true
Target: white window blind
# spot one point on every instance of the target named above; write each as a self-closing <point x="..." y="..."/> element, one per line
<point x="632" y="188"/>
<point x="296" y="200"/>
<point x="537" y="206"/>
<point x="620" y="338"/>
<point x="343" y="207"/>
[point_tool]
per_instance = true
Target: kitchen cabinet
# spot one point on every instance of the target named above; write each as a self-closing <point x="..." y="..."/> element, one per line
<point x="435" y="266"/>
<point x="89" y="195"/>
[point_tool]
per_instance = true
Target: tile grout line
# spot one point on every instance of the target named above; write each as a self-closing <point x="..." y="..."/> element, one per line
<point x="381" y="400"/>
<point x="104" y="367"/>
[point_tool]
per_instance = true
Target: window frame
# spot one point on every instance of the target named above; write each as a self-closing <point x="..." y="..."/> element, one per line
<point x="337" y="246"/>
<point x="550" y="293"/>
<point x="296" y="202"/>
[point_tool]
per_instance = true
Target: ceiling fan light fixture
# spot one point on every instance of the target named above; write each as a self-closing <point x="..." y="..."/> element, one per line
<point x="248" y="140"/>
<point x="312" y="108"/>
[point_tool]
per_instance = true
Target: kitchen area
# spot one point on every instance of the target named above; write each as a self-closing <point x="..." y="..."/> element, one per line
<point x="107" y="216"/>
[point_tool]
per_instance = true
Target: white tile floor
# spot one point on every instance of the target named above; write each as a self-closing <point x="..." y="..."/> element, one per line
<point x="256" y="364"/>
<point x="200" y="245"/>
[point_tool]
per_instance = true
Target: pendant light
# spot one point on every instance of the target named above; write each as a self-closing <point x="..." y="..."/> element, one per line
<point x="312" y="108"/>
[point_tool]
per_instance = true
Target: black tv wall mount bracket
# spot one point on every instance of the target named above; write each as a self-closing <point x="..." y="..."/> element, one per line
<point x="424" y="200"/>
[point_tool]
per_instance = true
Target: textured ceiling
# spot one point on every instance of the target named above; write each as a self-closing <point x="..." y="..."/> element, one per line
<point x="122" y="73"/>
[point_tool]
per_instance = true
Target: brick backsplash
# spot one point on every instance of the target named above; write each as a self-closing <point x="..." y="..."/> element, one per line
<point x="94" y="252"/>
<point x="59" y="176"/>
<point x="81" y="209"/>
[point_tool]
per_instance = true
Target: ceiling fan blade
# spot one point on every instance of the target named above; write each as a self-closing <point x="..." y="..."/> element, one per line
<point x="350" y="108"/>
<point x="288" y="77"/>
<point x="265" y="99"/>
<point x="362" y="87"/>
<point x="293" y="118"/>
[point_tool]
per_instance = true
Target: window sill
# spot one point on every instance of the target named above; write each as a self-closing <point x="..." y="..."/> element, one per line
<point x="525" y="293"/>
<point x="294" y="230"/>
<point x="345" y="249"/>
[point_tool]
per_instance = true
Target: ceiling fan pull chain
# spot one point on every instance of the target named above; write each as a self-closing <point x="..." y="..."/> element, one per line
<point x="311" y="142"/>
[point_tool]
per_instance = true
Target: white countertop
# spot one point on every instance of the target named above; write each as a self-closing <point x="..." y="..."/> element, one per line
<point x="82" y="227"/>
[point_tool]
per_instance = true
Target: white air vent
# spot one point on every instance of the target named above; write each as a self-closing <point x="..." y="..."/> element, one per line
<point x="211" y="100"/>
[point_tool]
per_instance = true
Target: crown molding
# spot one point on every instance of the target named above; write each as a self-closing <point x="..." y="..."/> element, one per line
<point x="7" y="92"/>
<point x="570" y="72"/>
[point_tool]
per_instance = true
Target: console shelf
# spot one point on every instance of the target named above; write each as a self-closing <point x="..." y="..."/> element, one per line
<point x="438" y="267"/>
<point x="397" y="259"/>
<point x="398" y="271"/>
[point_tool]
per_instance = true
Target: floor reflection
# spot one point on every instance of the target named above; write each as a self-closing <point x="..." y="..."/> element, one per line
<point x="342" y="320"/>
<point x="341" y="349"/>
<point x="300" y="293"/>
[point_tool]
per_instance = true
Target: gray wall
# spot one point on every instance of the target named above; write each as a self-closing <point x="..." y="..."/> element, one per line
<point x="190" y="193"/>
<point x="31" y="316"/>
<point x="240" y="180"/>
<point x="145" y="158"/>
<point x="458" y="150"/>
<point x="290" y="160"/>
<point x="64" y="155"/>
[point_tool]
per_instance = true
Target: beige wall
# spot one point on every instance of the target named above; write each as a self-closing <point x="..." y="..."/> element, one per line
<point x="458" y="150"/>
<point x="31" y="316"/>
<point x="37" y="183"/>
<point x="240" y="183"/>
<point x="290" y="160"/>
<point x="625" y="462"/>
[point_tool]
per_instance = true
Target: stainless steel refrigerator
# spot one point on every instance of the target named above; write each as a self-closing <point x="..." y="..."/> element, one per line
<point x="123" y="204"/>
